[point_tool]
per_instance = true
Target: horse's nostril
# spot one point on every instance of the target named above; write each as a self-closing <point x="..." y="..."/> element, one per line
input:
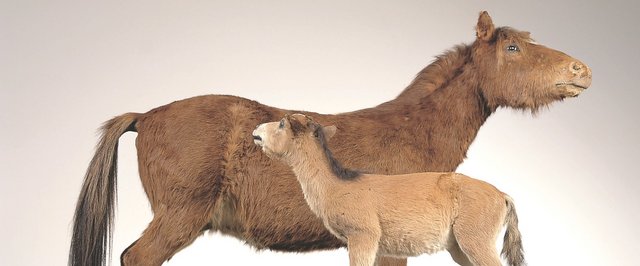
<point x="577" y="68"/>
<point x="256" y="137"/>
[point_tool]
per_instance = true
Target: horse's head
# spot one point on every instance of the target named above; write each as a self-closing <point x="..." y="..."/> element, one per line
<point x="292" y="132"/>
<point x="516" y="72"/>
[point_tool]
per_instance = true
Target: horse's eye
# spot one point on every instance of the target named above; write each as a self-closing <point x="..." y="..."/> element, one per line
<point x="513" y="48"/>
<point x="281" y="125"/>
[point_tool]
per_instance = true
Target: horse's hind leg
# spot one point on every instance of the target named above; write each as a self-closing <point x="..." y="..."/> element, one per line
<point x="170" y="230"/>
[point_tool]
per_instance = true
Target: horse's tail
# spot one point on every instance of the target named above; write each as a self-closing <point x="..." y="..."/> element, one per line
<point x="512" y="245"/>
<point x="93" y="219"/>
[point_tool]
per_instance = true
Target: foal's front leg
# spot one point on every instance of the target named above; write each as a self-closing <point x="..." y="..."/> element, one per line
<point x="362" y="249"/>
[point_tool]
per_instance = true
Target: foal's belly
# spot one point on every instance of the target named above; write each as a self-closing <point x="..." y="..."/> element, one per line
<point x="415" y="233"/>
<point x="410" y="244"/>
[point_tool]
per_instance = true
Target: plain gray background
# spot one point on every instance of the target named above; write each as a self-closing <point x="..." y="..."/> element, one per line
<point x="65" y="67"/>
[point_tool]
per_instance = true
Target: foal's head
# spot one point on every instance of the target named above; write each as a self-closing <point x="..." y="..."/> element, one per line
<point x="517" y="72"/>
<point x="291" y="133"/>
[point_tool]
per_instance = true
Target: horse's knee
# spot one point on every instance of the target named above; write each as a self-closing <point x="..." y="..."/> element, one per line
<point x="132" y="256"/>
<point x="124" y="258"/>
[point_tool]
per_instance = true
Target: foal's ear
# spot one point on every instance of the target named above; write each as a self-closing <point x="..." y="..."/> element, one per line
<point x="329" y="131"/>
<point x="485" y="28"/>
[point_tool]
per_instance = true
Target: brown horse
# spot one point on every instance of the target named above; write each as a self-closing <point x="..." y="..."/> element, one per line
<point x="201" y="171"/>
<point x="393" y="215"/>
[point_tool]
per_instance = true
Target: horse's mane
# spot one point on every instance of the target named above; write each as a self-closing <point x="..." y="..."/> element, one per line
<point x="437" y="74"/>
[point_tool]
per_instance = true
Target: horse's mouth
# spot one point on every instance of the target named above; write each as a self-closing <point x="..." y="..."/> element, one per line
<point x="571" y="89"/>
<point x="257" y="140"/>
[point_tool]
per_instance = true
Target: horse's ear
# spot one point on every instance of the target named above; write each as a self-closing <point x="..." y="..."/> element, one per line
<point x="329" y="131"/>
<point x="485" y="28"/>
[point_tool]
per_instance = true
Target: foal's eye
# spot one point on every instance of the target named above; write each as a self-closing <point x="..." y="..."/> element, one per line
<point x="281" y="125"/>
<point x="513" y="48"/>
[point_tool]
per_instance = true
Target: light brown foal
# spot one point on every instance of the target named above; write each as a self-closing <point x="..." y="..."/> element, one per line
<point x="400" y="215"/>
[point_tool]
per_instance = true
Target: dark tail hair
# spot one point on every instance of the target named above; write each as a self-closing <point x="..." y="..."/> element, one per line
<point x="93" y="220"/>
<point x="512" y="245"/>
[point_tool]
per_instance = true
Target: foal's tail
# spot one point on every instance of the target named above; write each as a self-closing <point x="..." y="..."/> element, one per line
<point x="93" y="219"/>
<point x="512" y="245"/>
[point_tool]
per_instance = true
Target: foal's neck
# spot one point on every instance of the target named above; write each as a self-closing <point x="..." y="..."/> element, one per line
<point x="314" y="172"/>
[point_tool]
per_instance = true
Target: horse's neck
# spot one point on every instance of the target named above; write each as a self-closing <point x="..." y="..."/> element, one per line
<point x="443" y="123"/>
<point x="449" y="120"/>
<point x="316" y="179"/>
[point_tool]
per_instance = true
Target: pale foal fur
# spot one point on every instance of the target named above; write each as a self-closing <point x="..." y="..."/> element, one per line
<point x="401" y="215"/>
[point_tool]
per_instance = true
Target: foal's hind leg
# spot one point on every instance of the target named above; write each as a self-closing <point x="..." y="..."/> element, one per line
<point x="476" y="235"/>
<point x="477" y="241"/>
<point x="458" y="255"/>
<point x="170" y="230"/>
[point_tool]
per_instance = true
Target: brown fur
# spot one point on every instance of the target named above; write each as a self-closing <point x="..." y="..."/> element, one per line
<point x="200" y="169"/>
<point x="394" y="215"/>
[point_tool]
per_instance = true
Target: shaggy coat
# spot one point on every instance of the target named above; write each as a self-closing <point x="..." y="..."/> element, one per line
<point x="201" y="171"/>
<point x="394" y="215"/>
